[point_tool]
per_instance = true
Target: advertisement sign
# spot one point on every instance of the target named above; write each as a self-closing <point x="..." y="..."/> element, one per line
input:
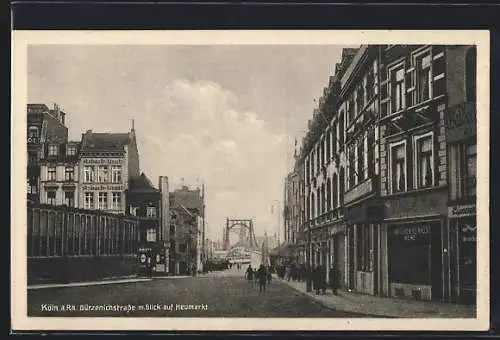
<point x="102" y="161"/>
<point x="462" y="211"/>
<point x="103" y="187"/>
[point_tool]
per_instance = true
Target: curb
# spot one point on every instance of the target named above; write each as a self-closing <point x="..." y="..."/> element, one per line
<point x="83" y="284"/>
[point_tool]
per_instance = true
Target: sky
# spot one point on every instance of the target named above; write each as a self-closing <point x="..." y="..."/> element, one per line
<point x="223" y="115"/>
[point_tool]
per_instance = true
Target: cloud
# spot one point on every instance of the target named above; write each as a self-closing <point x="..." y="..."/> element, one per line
<point x="195" y="130"/>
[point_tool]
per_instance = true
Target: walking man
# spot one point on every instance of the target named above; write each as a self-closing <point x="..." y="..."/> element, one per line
<point x="262" y="277"/>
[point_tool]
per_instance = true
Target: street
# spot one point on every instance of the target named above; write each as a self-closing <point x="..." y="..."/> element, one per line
<point x="221" y="294"/>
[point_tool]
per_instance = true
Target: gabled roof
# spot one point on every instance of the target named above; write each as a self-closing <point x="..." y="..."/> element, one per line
<point x="141" y="184"/>
<point x="105" y="141"/>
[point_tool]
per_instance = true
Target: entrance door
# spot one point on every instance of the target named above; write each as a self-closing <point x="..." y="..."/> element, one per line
<point x="351" y="273"/>
<point x="340" y="257"/>
<point x="436" y="262"/>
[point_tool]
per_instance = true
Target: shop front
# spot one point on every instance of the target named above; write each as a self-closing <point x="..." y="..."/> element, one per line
<point x="337" y="250"/>
<point x="415" y="236"/>
<point x="463" y="227"/>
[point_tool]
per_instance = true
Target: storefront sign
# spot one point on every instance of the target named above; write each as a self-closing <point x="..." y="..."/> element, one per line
<point x="102" y="187"/>
<point x="102" y="161"/>
<point x="410" y="233"/>
<point x="460" y="122"/>
<point x="359" y="191"/>
<point x="462" y="211"/>
<point x="468" y="232"/>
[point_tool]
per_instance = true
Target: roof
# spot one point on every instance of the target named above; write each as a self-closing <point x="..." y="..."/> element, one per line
<point x="105" y="141"/>
<point x="141" y="184"/>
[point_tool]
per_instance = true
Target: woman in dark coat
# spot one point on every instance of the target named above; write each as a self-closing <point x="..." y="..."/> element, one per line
<point x="334" y="276"/>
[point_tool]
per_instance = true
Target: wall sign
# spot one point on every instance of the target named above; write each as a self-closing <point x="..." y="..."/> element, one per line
<point x="102" y="161"/>
<point x="102" y="187"/>
<point x="462" y="211"/>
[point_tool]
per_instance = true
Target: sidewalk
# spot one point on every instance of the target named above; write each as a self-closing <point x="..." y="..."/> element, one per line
<point x="107" y="281"/>
<point x="389" y="307"/>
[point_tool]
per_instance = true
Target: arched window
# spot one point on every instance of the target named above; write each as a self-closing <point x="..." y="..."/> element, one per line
<point x="470" y="74"/>
<point x="335" y="190"/>
<point x="329" y="195"/>
<point x="341" y="186"/>
<point x="313" y="210"/>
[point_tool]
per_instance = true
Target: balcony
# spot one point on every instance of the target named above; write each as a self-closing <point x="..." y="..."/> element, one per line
<point x="361" y="190"/>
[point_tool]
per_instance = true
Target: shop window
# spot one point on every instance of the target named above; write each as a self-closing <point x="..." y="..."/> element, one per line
<point x="89" y="200"/>
<point x="51" y="197"/>
<point x="424" y="161"/>
<point x="51" y="173"/>
<point x="471" y="161"/>
<point x="364" y="249"/>
<point x="397" y="88"/>
<point x="398" y="167"/>
<point x="470" y="74"/>
<point x="69" y="198"/>
<point x="103" y="201"/>
<point x="69" y="174"/>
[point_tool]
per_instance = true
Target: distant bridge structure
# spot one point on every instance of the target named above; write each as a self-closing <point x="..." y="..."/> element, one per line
<point x="246" y="231"/>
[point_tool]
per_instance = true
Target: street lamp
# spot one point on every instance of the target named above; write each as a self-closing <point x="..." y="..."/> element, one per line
<point x="279" y="222"/>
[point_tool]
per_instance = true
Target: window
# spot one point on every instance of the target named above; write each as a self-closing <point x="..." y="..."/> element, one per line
<point x="51" y="173"/>
<point x="89" y="200"/>
<point x="313" y="207"/>
<point x="334" y="139"/>
<point x="370" y="84"/>
<point x="71" y="150"/>
<point x="471" y="159"/>
<point x="88" y="174"/>
<point x="424" y="161"/>
<point x="351" y="109"/>
<point x="398" y="167"/>
<point x="51" y="197"/>
<point x="32" y="159"/>
<point x="116" y="174"/>
<point x="335" y="189"/>
<point x="360" y="98"/>
<point x="69" y="173"/>
<point x="33" y="132"/>
<point x="318" y="160"/>
<point x="352" y="165"/>
<point x="470" y="74"/>
<point x="370" y="153"/>
<point x="397" y="89"/>
<point x="328" y="195"/>
<point x="151" y="212"/>
<point x="116" y="200"/>
<point x="69" y="198"/>
<point x="424" y="82"/>
<point x="133" y="211"/>
<point x="32" y="187"/>
<point x="341" y="131"/>
<point x="103" y="173"/>
<point x="52" y="150"/>
<point x="361" y="160"/>
<point x="322" y="151"/>
<point x="328" y="146"/>
<point x="151" y="235"/>
<point x="182" y="247"/>
<point x="103" y="201"/>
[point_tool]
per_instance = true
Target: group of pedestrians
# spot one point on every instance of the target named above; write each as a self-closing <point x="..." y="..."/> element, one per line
<point x="261" y="276"/>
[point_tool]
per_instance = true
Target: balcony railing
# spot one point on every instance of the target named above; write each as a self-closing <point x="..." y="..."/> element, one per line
<point x="360" y="190"/>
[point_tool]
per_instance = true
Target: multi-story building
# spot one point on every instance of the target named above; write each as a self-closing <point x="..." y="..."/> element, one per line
<point x="107" y="162"/>
<point x="461" y="131"/>
<point x="59" y="173"/>
<point x="390" y="168"/>
<point x="44" y="126"/>
<point x="186" y="232"/>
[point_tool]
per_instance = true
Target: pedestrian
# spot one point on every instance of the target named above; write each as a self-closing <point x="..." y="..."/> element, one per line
<point x="316" y="279"/>
<point x="334" y="278"/>
<point x="269" y="276"/>
<point x="262" y="277"/>
<point x="249" y="274"/>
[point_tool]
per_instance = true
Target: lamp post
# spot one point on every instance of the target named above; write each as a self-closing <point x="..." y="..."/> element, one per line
<point x="279" y="221"/>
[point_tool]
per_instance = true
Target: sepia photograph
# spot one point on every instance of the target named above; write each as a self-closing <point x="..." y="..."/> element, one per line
<point x="207" y="177"/>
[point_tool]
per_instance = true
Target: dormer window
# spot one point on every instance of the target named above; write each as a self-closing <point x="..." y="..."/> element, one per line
<point x="53" y="150"/>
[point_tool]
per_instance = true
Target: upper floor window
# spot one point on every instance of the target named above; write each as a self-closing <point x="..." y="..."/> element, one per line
<point x="52" y="150"/>
<point x="361" y="160"/>
<point x="398" y="167"/>
<point x="328" y="146"/>
<point x="318" y="160"/>
<point x="69" y="198"/>
<point x="88" y="200"/>
<point x="397" y="89"/>
<point x="351" y="109"/>
<point x="470" y="74"/>
<point x="424" y="161"/>
<point x="51" y="173"/>
<point x="103" y="174"/>
<point x="360" y="98"/>
<point x="352" y="165"/>
<point x="471" y="161"/>
<point x="32" y="159"/>
<point x="88" y="174"/>
<point x="341" y="130"/>
<point x="370" y="84"/>
<point x="133" y="211"/>
<point x="103" y="201"/>
<point x="151" y="235"/>
<point x="51" y="197"/>
<point x="71" y="150"/>
<point x="69" y="173"/>
<point x="151" y="212"/>
<point x="33" y="132"/>
<point x="116" y="200"/>
<point x="116" y="174"/>
<point x="424" y="79"/>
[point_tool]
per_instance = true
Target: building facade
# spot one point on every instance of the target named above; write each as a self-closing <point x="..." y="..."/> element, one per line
<point x="59" y="174"/>
<point x="390" y="168"/>
<point x="461" y="139"/>
<point x="44" y="126"/>
<point x="107" y="162"/>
